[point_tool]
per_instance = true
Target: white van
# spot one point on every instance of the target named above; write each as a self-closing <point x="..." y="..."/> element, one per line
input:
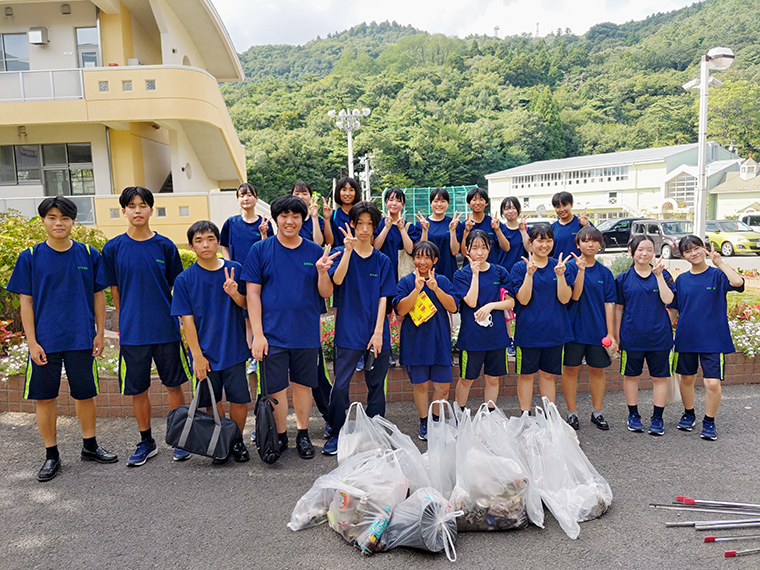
<point x="752" y="220"/>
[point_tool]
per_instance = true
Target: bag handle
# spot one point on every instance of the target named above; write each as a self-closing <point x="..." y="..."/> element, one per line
<point x="263" y="377"/>
<point x="191" y="417"/>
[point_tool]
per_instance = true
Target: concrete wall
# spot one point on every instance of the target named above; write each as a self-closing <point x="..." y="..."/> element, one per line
<point x="729" y="203"/>
<point x="174" y="37"/>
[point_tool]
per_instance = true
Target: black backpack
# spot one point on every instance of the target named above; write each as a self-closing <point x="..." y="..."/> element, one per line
<point x="267" y="440"/>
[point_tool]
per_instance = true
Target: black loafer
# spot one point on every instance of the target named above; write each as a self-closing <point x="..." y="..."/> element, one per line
<point x="573" y="422"/>
<point x="600" y="422"/>
<point x="215" y="461"/>
<point x="49" y="470"/>
<point x="100" y="455"/>
<point x="240" y="452"/>
<point x="305" y="448"/>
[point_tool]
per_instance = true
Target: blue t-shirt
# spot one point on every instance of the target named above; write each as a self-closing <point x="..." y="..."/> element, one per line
<point x="290" y="299"/>
<point x="307" y="229"/>
<point x="356" y="299"/>
<point x="238" y="236"/>
<point x="430" y="343"/>
<point x="438" y="233"/>
<point x="645" y="324"/>
<point x="701" y="303"/>
<point x="494" y="254"/>
<point x="144" y="272"/>
<point x="472" y="336"/>
<point x="394" y="243"/>
<point x="544" y="321"/>
<point x="516" y="248"/>
<point x="339" y="220"/>
<point x="588" y="315"/>
<point x="62" y="285"/>
<point x="564" y="237"/>
<point x="218" y="320"/>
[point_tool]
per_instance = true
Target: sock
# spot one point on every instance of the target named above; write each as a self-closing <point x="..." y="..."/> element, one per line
<point x="490" y="409"/>
<point x="52" y="453"/>
<point x="90" y="444"/>
<point x="146" y="435"/>
<point x="283" y="437"/>
<point x="657" y="413"/>
<point x="436" y="418"/>
<point x="596" y="413"/>
<point x="633" y="410"/>
<point x="302" y="433"/>
<point x="571" y="414"/>
<point x="708" y="419"/>
<point x="423" y="421"/>
<point x="690" y="412"/>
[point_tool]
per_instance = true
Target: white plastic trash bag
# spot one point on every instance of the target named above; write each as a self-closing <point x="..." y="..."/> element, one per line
<point x="425" y="521"/>
<point x="409" y="456"/>
<point x="442" y="448"/>
<point x="359" y="434"/>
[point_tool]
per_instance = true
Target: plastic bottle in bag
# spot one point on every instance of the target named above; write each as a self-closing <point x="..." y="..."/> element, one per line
<point x="371" y="541"/>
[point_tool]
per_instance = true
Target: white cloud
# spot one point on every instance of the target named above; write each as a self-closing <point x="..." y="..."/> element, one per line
<point x="297" y="22"/>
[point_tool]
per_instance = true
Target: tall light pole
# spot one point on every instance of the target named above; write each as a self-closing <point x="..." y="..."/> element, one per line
<point x="717" y="59"/>
<point x="348" y="121"/>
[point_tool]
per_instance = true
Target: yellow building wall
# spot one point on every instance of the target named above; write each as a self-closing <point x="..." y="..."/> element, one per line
<point x="116" y="37"/>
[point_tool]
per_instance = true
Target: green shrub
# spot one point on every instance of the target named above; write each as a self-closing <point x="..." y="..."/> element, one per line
<point x="619" y="264"/>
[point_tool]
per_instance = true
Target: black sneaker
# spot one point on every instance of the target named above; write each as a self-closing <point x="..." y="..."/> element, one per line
<point x="304" y="447"/>
<point x="600" y="422"/>
<point x="240" y="452"/>
<point x="215" y="461"/>
<point x="572" y="421"/>
<point x="49" y="470"/>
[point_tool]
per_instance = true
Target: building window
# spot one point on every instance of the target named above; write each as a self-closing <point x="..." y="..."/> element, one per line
<point x="161" y="212"/>
<point x="613" y="197"/>
<point x="114" y="213"/>
<point x="103" y="86"/>
<point x="526" y="202"/>
<point x="150" y="84"/>
<point x="14" y="52"/>
<point x="19" y="164"/>
<point x="681" y="190"/>
<point x="184" y="211"/>
<point x="87" y="47"/>
<point x="68" y="169"/>
<point x="126" y="85"/>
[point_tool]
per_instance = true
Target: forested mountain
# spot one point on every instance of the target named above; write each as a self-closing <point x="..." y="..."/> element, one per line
<point x="449" y="111"/>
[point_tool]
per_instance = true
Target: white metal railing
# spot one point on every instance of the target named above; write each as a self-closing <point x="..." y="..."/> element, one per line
<point x="27" y="206"/>
<point x="48" y="85"/>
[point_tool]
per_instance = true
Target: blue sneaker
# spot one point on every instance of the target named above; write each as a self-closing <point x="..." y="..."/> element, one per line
<point x="144" y="451"/>
<point x="327" y="433"/>
<point x="511" y="351"/>
<point x="687" y="422"/>
<point x="709" y="431"/>
<point x="253" y="436"/>
<point x="423" y="430"/>
<point x="360" y="364"/>
<point x="331" y="446"/>
<point x="251" y="366"/>
<point x="180" y="454"/>
<point x="634" y="423"/>
<point x="656" y="427"/>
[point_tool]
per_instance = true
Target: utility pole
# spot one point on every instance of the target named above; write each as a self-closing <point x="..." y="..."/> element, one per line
<point x="365" y="175"/>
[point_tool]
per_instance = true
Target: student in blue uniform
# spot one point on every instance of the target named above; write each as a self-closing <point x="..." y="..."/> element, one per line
<point x="702" y="333"/>
<point x="363" y="280"/>
<point x="141" y="266"/>
<point x="477" y="200"/>
<point x="63" y="312"/>
<point x="240" y="232"/>
<point x="347" y="193"/>
<point x="209" y="298"/>
<point x="314" y="227"/>
<point x="442" y="231"/>
<point x="643" y="330"/>
<point x="425" y="347"/>
<point x="515" y="232"/>
<point x="287" y="276"/>
<point x="542" y="287"/>
<point x="567" y="226"/>
<point x="394" y="233"/>
<point x="592" y="317"/>
<point x="483" y="338"/>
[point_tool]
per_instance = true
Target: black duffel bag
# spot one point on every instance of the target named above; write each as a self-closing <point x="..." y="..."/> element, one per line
<point x="199" y="432"/>
<point x="267" y="440"/>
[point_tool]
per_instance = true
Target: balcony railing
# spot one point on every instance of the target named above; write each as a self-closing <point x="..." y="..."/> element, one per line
<point x="50" y="85"/>
<point x="27" y="206"/>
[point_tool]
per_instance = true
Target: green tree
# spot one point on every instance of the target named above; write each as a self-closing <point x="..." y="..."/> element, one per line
<point x="733" y="117"/>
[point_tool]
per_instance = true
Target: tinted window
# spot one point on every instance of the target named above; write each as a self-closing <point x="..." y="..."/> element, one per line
<point x="653" y="229"/>
<point x="711" y="227"/>
<point x="623" y="226"/>
<point x="677" y="227"/>
<point x="734" y="226"/>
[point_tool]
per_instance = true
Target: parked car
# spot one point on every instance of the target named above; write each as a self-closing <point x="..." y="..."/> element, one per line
<point x="666" y="234"/>
<point x="616" y="233"/>
<point x="752" y="220"/>
<point x="732" y="236"/>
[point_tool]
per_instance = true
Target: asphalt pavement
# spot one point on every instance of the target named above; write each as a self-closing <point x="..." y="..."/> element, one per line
<point x="195" y="515"/>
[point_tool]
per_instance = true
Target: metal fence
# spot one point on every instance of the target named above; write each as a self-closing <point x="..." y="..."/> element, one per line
<point x="50" y="85"/>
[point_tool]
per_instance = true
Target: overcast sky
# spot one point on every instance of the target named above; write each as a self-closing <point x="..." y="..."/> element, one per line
<point x="258" y="22"/>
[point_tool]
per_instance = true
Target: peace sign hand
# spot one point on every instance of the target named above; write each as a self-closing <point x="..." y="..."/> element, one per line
<point x="583" y="218"/>
<point x="401" y="222"/>
<point x="327" y="207"/>
<point x="559" y="269"/>
<point x="431" y="282"/>
<point x="714" y="255"/>
<point x="314" y="207"/>
<point x="264" y="226"/>
<point x="454" y="223"/>
<point x="230" y="285"/>
<point x="522" y="225"/>
<point x="658" y="266"/>
<point x="423" y="221"/>
<point x="387" y="220"/>
<point x="349" y="241"/>
<point x="580" y="262"/>
<point x="324" y="263"/>
<point x="469" y="223"/>
<point x="419" y="281"/>
<point x="474" y="266"/>
<point x="530" y="265"/>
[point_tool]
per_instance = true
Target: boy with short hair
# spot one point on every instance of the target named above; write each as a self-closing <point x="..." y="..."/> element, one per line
<point x="209" y="297"/>
<point x="63" y="312"/>
<point x="141" y="266"/>
<point x="363" y="280"/>
<point x="567" y="226"/>
<point x="286" y="279"/>
<point x="477" y="219"/>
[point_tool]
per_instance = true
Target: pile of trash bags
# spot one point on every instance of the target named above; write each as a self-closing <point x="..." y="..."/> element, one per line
<point x="485" y="472"/>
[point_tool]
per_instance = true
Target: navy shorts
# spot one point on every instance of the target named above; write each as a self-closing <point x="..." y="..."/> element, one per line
<point x="44" y="382"/>
<point x="493" y="363"/>
<point x="529" y="360"/>
<point x="234" y="380"/>
<point x="440" y="373"/>
<point x="658" y="362"/>
<point x="713" y="364"/>
<point x="285" y="365"/>
<point x="596" y="356"/>
<point x="135" y="364"/>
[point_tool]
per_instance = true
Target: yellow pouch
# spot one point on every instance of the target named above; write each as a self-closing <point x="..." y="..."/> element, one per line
<point x="423" y="309"/>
